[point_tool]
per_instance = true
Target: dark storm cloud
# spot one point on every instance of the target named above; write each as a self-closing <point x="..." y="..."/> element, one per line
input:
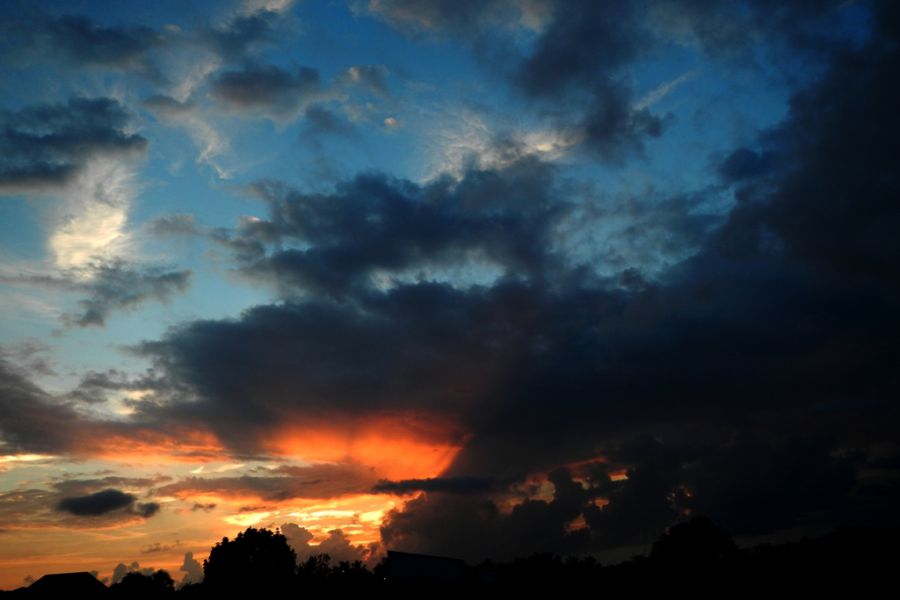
<point x="757" y="336"/>
<point x="833" y="162"/>
<point x="83" y="42"/>
<point x="733" y="32"/>
<point x="452" y="522"/>
<point x="375" y="228"/>
<point x="753" y="382"/>
<point x="764" y="363"/>
<point x="266" y="88"/>
<point x="96" y="504"/>
<point x="459" y="485"/>
<point x="576" y="67"/>
<point x="33" y="421"/>
<point x="30" y="419"/>
<point x="373" y="224"/>
<point x="575" y="72"/>
<point x="76" y="40"/>
<point x="44" y="145"/>
<point x="111" y="286"/>
<point x="585" y="42"/>
<point x="105" y="502"/>
<point x="332" y="358"/>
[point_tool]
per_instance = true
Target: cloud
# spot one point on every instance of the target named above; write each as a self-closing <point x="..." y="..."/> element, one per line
<point x="460" y="18"/>
<point x="193" y="570"/>
<point x="337" y="546"/>
<point x="320" y="121"/>
<point x="78" y="41"/>
<point x="117" y="287"/>
<point x="758" y="476"/>
<point x="371" y="78"/>
<point x="83" y="42"/>
<point x="460" y="485"/>
<point x="188" y="114"/>
<point x="571" y="60"/>
<point x="121" y="570"/>
<point x="31" y="421"/>
<point x="767" y="338"/>
<point x="107" y="501"/>
<point x="241" y="34"/>
<point x="108" y="287"/>
<point x="45" y="146"/>
<point x="661" y="91"/>
<point x="375" y="229"/>
<point x="267" y="89"/>
<point x="610" y="401"/>
<point x="96" y="504"/>
<point x="315" y="481"/>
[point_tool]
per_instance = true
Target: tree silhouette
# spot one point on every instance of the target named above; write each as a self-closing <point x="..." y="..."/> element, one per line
<point x="697" y="543"/>
<point x="136" y="584"/>
<point x="257" y="558"/>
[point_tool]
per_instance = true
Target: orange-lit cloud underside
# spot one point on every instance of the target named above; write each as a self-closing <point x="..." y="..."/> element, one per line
<point x="396" y="447"/>
<point x="333" y="463"/>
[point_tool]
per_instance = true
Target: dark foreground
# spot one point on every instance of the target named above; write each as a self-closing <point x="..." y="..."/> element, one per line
<point x="694" y="558"/>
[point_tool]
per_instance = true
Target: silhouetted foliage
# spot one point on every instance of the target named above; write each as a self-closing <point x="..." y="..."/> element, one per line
<point x="694" y="557"/>
<point x="141" y="585"/>
<point x="697" y="543"/>
<point x="256" y="557"/>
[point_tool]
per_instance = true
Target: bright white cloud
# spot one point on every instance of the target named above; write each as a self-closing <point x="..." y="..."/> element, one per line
<point x="94" y="214"/>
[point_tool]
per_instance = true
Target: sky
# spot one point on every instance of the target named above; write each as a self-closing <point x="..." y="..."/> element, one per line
<point x="467" y="278"/>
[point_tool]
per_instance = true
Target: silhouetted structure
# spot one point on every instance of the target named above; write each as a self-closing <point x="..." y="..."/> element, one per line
<point x="68" y="584"/>
<point x="406" y="567"/>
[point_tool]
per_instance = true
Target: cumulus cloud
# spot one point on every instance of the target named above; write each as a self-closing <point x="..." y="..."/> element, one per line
<point x="76" y="40"/>
<point x="585" y="407"/>
<point x="45" y="146"/>
<point x="31" y="420"/>
<point x="96" y="504"/>
<point x="747" y="349"/>
<point x="193" y="570"/>
<point x="267" y="89"/>
<point x="337" y="546"/>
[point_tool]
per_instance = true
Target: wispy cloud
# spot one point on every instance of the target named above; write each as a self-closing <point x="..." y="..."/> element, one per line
<point x="661" y="91"/>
